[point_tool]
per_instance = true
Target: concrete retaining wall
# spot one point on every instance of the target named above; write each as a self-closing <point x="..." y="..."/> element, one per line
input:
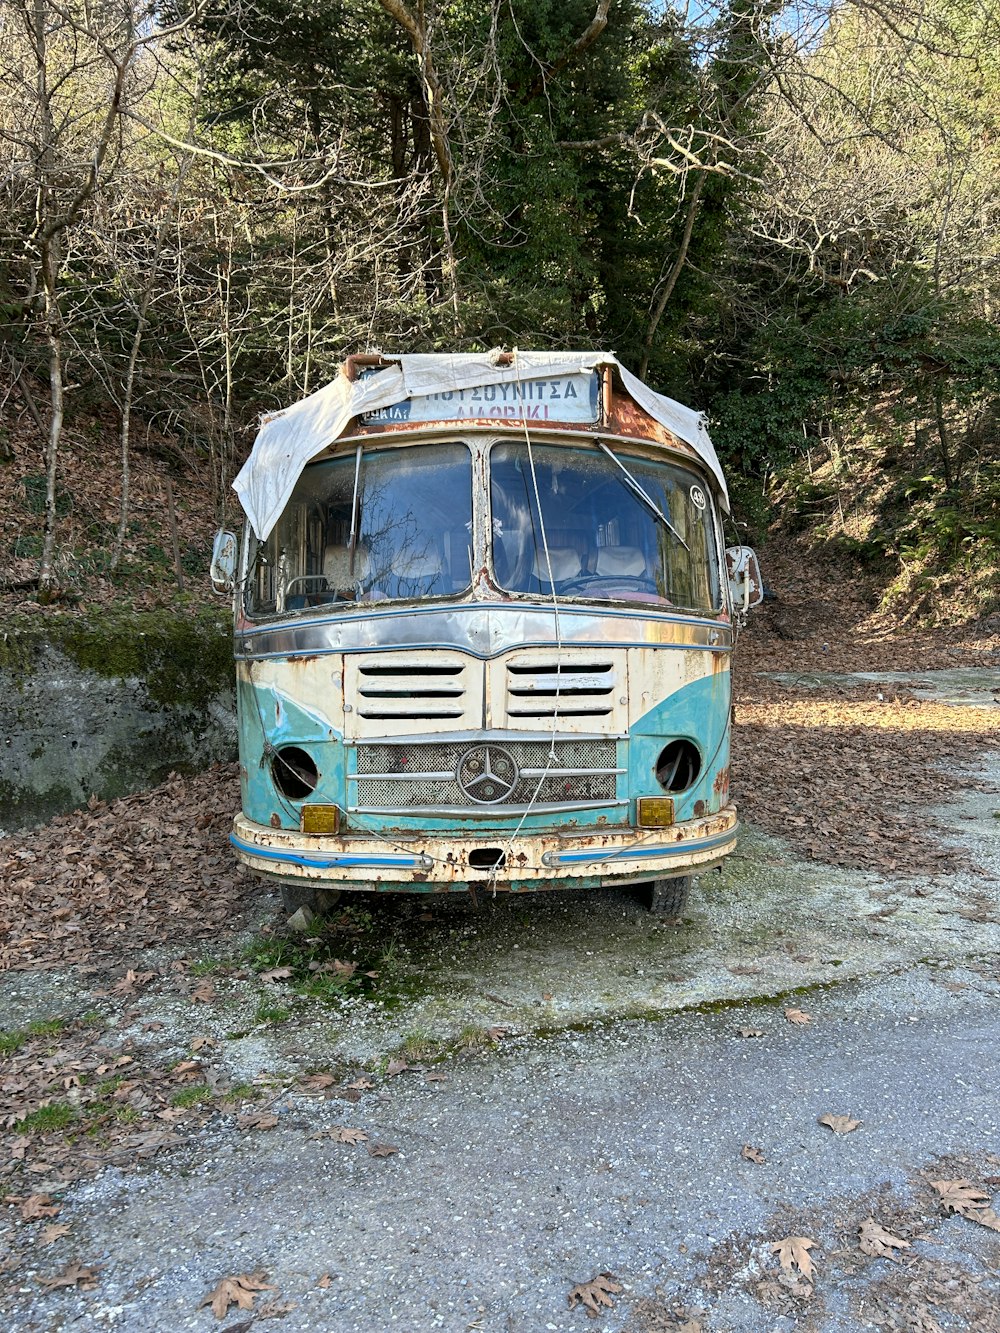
<point x="106" y="705"/>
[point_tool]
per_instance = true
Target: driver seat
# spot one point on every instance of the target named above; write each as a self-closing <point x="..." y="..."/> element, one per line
<point x="566" y="564"/>
<point x="620" y="561"/>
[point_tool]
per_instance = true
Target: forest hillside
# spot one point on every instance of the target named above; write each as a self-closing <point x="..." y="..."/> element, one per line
<point x="785" y="216"/>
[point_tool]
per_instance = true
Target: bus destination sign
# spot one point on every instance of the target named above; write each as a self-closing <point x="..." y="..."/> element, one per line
<point x="573" y="398"/>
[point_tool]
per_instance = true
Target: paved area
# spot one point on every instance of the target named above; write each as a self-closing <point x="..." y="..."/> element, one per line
<point x="601" y="1132"/>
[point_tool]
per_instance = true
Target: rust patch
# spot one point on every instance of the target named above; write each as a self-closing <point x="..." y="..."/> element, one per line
<point x="721" y="784"/>
<point x="699" y="809"/>
<point x="275" y="821"/>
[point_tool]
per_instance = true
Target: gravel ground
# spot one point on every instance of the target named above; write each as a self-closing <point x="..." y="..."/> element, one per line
<point x="594" y="1140"/>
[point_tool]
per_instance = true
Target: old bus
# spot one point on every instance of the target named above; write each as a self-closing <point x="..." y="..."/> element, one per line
<point x="483" y="626"/>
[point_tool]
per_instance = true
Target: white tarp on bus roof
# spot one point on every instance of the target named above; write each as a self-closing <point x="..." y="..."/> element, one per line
<point x="288" y="439"/>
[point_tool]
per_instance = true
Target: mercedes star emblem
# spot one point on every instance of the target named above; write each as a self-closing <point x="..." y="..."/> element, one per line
<point x="487" y="774"/>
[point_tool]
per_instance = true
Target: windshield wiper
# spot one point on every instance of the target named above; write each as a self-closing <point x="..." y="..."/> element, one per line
<point x="638" y="491"/>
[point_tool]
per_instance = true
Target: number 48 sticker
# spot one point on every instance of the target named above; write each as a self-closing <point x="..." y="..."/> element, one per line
<point x="697" y="497"/>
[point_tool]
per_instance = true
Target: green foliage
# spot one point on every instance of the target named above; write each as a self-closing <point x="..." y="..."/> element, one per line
<point x="57" y="1115"/>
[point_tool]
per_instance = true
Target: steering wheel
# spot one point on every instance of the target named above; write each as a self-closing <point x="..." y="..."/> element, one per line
<point x="632" y="581"/>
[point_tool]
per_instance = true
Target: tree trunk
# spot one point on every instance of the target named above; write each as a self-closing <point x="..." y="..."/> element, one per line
<point x="673" y="275"/>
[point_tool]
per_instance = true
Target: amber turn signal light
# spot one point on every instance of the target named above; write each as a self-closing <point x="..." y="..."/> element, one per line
<point x="654" y="812"/>
<point x="320" y="819"/>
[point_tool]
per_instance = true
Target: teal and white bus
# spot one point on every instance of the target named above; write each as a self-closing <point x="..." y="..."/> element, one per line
<point x="484" y="618"/>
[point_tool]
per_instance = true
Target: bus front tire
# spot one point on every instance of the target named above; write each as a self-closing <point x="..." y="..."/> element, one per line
<point x="667" y="897"/>
<point x="318" y="900"/>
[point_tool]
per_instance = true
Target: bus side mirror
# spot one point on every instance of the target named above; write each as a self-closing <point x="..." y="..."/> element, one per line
<point x="222" y="571"/>
<point x="746" y="587"/>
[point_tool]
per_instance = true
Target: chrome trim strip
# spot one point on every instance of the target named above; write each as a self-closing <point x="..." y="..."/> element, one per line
<point x="634" y="853"/>
<point x="483" y="812"/>
<point x="321" y="861"/>
<point x="449" y="774"/>
<point x="481" y="629"/>
<point x="510" y="737"/>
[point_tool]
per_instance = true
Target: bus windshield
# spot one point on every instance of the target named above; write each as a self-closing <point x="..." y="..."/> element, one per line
<point x="385" y="525"/>
<point x="617" y="527"/>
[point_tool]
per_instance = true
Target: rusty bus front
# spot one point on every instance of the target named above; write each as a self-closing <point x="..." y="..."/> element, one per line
<point x="486" y="644"/>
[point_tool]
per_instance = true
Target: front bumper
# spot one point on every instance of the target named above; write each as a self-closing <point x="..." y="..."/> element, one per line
<point x="439" y="864"/>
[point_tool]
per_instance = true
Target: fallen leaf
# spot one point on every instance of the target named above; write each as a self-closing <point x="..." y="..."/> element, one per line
<point x="793" y="1252"/>
<point x="381" y="1150"/>
<point x="257" y="1120"/>
<point x="239" y="1290"/>
<point x="961" y="1196"/>
<point x="325" y="1281"/>
<point x="361" y="1084"/>
<point x="204" y="994"/>
<point x="74" y="1274"/>
<point x="53" y="1232"/>
<point x="875" y="1240"/>
<point x="753" y="1154"/>
<point x="798" y="1016"/>
<point x="202" y="1043"/>
<point x="395" y="1067"/>
<point x="36" y="1206"/>
<point x="274" y="1310"/>
<point x="342" y="1134"/>
<point x="840" y="1124"/>
<point x="749" y="1032"/>
<point x="316" y="1082"/>
<point x="595" y="1293"/>
<point x="435" y="1078"/>
<point x="275" y="974"/>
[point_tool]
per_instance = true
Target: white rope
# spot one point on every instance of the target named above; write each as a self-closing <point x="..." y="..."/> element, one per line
<point x="502" y="859"/>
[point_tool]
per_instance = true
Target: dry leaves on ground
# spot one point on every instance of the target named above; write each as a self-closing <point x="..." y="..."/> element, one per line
<point x="164" y="876"/>
<point x="74" y="1274"/>
<point x="800" y="757"/>
<point x="793" y="1252"/>
<point x="240" y="1290"/>
<point x="53" y="1232"/>
<point x="312" y="1083"/>
<point x="749" y="1032"/>
<point x="753" y="1154"/>
<point x="840" y="1124"/>
<point x="112" y="1106"/>
<point x="595" y="1294"/>
<point x="342" y="1134"/>
<point x="875" y="1240"/>
<point x="798" y="1016"/>
<point x="381" y="1150"/>
<point x="35" y="1206"/>
<point x="257" y="1120"/>
<point x="968" y="1200"/>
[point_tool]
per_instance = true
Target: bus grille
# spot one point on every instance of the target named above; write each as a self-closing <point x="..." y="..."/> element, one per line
<point x="397" y="778"/>
<point x="417" y="691"/>
<point x="572" y="688"/>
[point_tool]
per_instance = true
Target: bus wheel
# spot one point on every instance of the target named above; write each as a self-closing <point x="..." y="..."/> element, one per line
<point x="667" y="897"/>
<point x="318" y="900"/>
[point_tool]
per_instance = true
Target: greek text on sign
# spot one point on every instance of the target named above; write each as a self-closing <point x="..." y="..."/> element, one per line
<point x="565" y="398"/>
